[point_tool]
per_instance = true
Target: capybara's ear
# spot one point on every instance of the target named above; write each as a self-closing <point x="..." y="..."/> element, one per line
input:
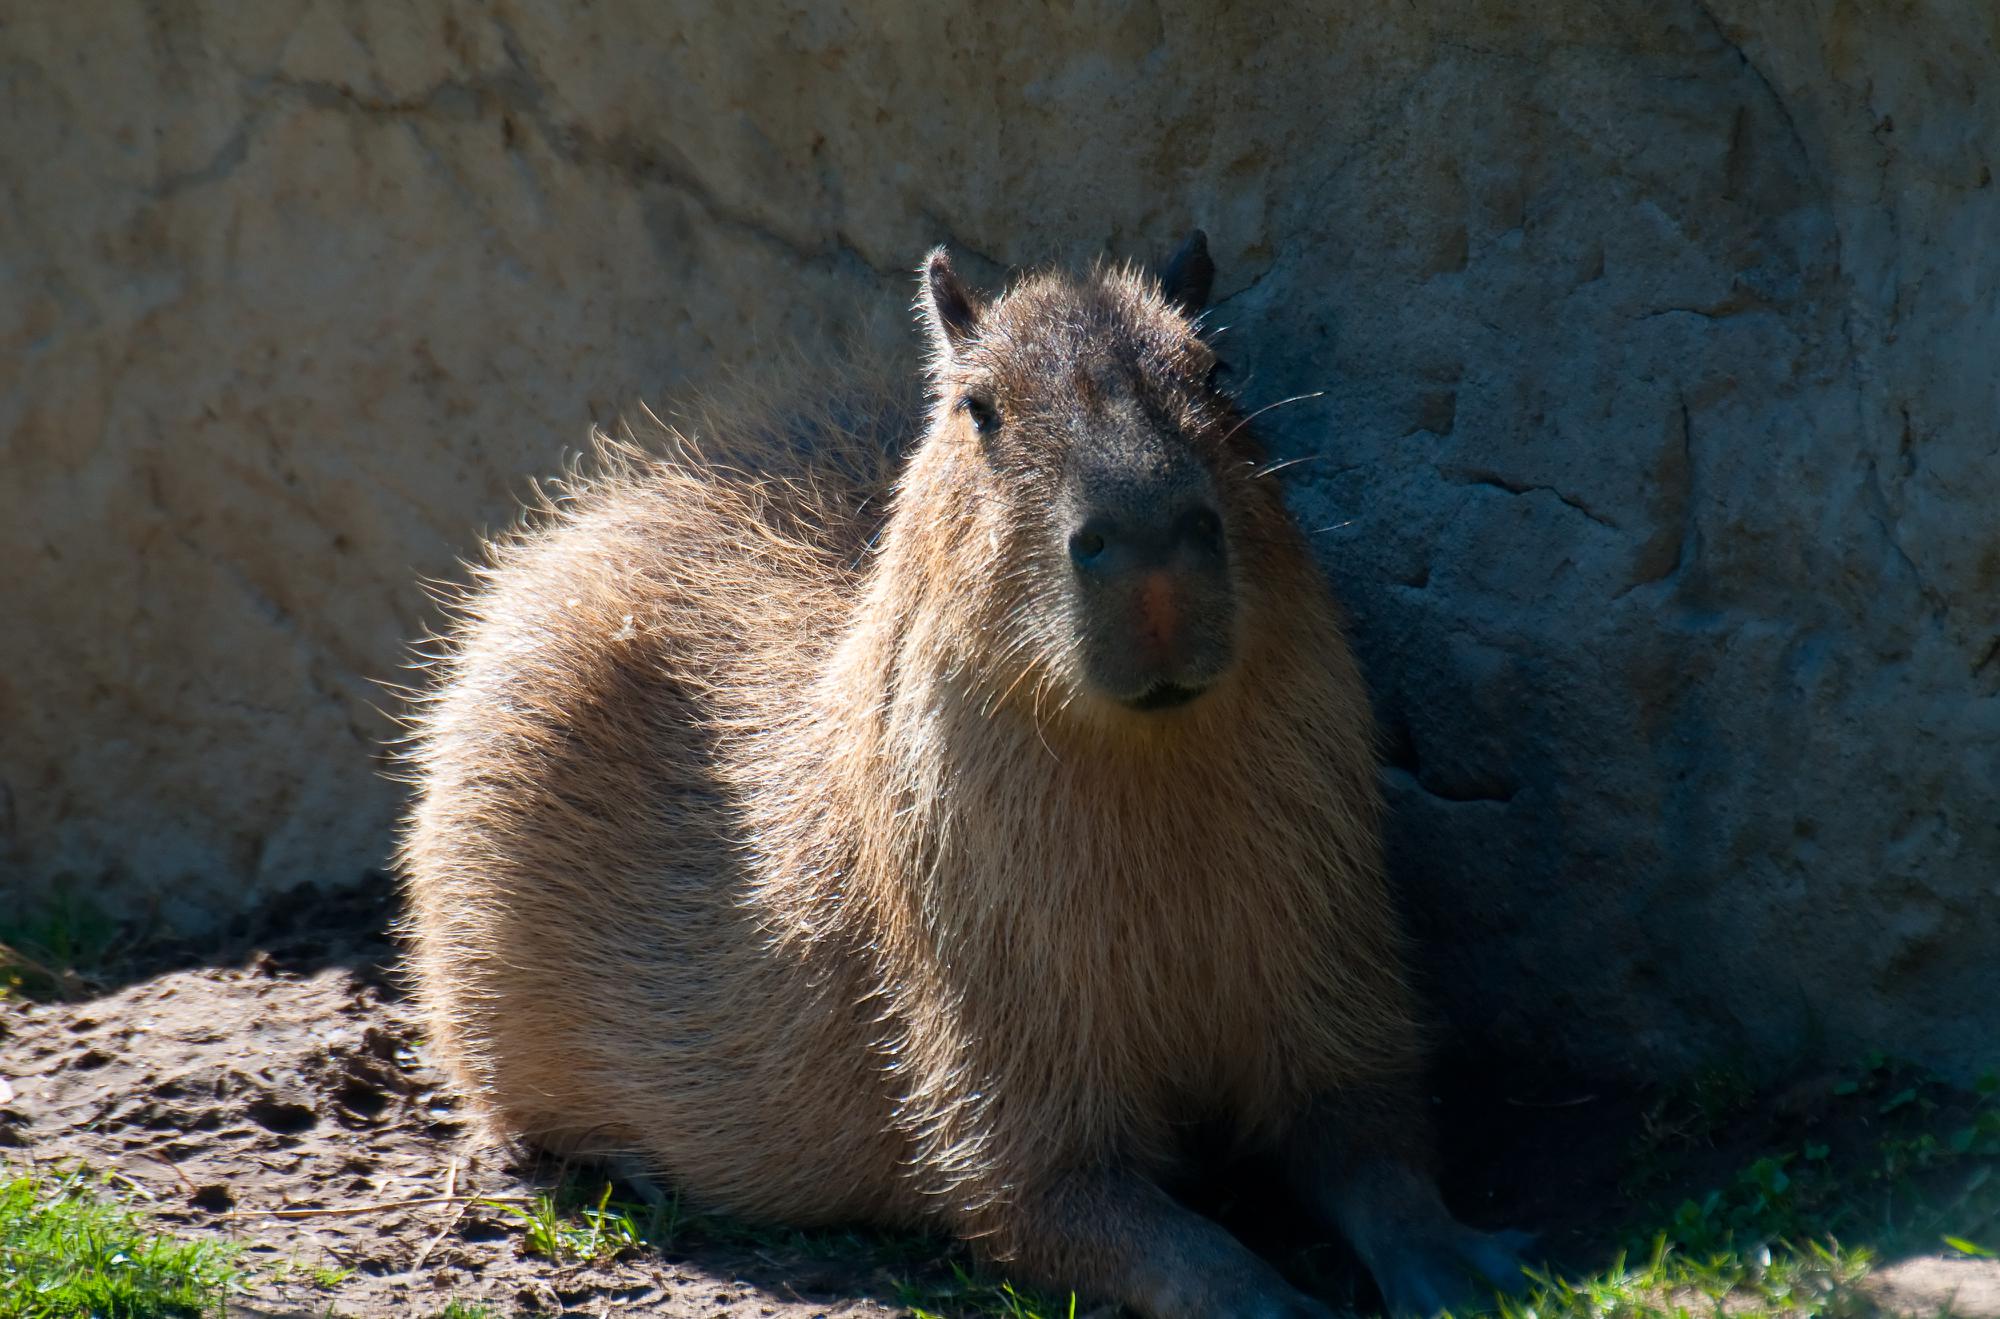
<point x="950" y="311"/>
<point x="1188" y="276"/>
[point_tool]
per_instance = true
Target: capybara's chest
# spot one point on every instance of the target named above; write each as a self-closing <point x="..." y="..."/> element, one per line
<point x="1148" y="1002"/>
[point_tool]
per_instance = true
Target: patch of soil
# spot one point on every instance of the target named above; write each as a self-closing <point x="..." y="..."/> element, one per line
<point x="293" y="1082"/>
<point x="1964" y="1288"/>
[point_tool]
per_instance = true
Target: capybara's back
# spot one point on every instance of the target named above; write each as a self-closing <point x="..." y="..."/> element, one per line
<point x="944" y="851"/>
<point x="590" y="955"/>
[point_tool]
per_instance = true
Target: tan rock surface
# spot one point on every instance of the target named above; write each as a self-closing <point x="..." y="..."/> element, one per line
<point x="1660" y="439"/>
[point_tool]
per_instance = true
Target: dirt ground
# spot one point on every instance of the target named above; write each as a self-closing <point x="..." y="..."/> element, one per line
<point x="278" y="1096"/>
<point x="291" y="1081"/>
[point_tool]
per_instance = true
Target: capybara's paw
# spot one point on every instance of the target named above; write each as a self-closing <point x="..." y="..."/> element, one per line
<point x="1255" y="1292"/>
<point x="1278" y="1301"/>
<point x="1460" y="1271"/>
<point x="1297" y="1305"/>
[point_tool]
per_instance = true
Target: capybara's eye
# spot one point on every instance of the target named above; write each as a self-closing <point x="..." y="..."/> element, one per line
<point x="985" y="417"/>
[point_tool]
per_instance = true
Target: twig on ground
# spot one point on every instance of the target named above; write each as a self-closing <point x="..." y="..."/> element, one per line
<point x="381" y="1205"/>
<point x="119" y="1176"/>
<point x="171" y="1167"/>
<point x="450" y="1185"/>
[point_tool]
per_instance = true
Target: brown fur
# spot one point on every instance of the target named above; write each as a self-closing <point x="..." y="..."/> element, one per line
<point x="809" y="873"/>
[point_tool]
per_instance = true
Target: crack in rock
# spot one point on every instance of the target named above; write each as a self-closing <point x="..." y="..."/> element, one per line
<point x="1495" y="481"/>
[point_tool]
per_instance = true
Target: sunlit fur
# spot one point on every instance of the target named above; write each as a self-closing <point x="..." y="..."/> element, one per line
<point x="775" y="842"/>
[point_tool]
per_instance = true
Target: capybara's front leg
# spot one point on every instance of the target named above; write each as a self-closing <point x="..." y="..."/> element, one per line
<point x="1363" y="1161"/>
<point x="1118" y="1237"/>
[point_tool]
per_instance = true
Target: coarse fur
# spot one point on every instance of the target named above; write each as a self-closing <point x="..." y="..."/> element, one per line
<point x="769" y="830"/>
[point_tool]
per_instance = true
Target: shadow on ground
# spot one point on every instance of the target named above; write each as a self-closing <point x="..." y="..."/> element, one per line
<point x="277" y="1096"/>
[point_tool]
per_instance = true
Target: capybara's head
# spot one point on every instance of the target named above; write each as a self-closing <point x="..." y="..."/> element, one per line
<point x="1102" y="481"/>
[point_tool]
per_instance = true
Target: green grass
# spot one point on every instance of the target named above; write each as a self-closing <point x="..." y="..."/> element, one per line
<point x="326" y="1277"/>
<point x="573" y="1226"/>
<point x="70" y="1251"/>
<point x="567" y="1228"/>
<point x="1890" y="1160"/>
<point x="582" y="1222"/>
<point x="1818" y="1279"/>
<point x="969" y="1294"/>
<point x="1895" y="1162"/>
<point x="43" y="944"/>
<point x="1730" y="1211"/>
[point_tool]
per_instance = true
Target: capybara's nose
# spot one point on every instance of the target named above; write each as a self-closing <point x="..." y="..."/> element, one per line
<point x="1107" y="546"/>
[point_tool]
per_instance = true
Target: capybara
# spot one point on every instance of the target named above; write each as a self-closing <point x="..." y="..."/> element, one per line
<point x="941" y="847"/>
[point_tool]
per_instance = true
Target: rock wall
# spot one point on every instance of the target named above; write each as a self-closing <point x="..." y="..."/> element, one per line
<point x="1657" y="459"/>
